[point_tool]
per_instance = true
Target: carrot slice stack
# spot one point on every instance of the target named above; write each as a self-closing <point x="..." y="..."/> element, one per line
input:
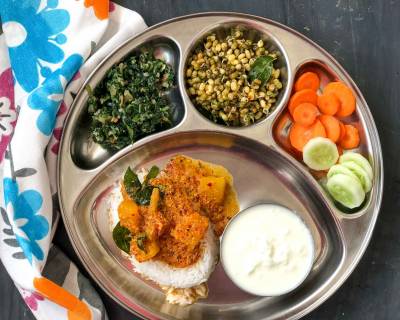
<point x="318" y="116"/>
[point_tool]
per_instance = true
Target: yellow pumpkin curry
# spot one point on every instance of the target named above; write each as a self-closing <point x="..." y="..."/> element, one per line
<point x="187" y="197"/>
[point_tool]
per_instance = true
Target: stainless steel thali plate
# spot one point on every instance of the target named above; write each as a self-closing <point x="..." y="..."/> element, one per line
<point x="263" y="172"/>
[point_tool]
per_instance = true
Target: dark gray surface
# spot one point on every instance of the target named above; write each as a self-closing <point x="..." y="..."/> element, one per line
<point x="364" y="36"/>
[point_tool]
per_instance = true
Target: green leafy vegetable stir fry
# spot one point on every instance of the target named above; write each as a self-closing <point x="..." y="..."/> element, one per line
<point x="129" y="103"/>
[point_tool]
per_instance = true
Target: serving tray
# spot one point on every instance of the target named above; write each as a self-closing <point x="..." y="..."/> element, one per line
<point x="263" y="171"/>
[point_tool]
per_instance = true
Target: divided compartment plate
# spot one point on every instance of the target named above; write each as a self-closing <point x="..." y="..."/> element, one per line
<point x="262" y="169"/>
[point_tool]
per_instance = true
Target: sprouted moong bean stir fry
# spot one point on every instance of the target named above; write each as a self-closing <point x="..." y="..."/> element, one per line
<point x="233" y="81"/>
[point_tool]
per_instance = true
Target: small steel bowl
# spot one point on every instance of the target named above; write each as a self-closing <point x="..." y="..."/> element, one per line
<point x="245" y="211"/>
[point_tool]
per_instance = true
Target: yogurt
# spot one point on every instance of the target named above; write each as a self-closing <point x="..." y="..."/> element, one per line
<point x="267" y="250"/>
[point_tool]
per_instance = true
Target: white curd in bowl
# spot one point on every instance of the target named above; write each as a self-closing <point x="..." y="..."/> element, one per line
<point x="267" y="250"/>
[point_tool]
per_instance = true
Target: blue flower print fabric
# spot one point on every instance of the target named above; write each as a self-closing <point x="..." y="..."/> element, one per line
<point x="26" y="207"/>
<point x="38" y="37"/>
<point x="48" y="96"/>
<point x="45" y="58"/>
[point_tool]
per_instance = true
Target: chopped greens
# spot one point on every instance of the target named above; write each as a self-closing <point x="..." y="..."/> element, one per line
<point x="138" y="192"/>
<point x="262" y="69"/>
<point x="129" y="103"/>
<point x="122" y="237"/>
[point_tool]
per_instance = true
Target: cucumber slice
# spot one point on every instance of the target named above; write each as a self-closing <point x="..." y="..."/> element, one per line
<point x="320" y="153"/>
<point x="346" y="190"/>
<point x="361" y="174"/>
<point x="360" y="160"/>
<point x="338" y="168"/>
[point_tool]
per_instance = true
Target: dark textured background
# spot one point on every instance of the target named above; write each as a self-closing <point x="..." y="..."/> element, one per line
<point x="364" y="36"/>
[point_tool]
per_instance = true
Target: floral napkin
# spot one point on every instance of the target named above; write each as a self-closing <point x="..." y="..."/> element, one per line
<point x="47" y="50"/>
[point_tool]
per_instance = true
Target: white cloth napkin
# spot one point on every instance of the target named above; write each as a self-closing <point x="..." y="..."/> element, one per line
<point x="48" y="49"/>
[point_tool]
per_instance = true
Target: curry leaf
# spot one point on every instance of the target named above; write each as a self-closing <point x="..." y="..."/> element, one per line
<point x="261" y="69"/>
<point x="131" y="183"/>
<point x="154" y="171"/>
<point x="140" y="193"/>
<point x="140" y="239"/>
<point x="122" y="237"/>
<point x="143" y="196"/>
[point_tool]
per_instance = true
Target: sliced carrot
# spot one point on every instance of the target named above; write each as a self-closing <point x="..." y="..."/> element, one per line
<point x="299" y="135"/>
<point x="318" y="130"/>
<point x="306" y="95"/>
<point x="332" y="127"/>
<point x="328" y="104"/>
<point x="345" y="96"/>
<point x="342" y="130"/>
<point x="305" y="114"/>
<point x="340" y="150"/>
<point x="351" y="139"/>
<point x="308" y="80"/>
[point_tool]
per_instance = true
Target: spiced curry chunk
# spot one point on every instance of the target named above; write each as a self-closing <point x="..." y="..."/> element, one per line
<point x="169" y="222"/>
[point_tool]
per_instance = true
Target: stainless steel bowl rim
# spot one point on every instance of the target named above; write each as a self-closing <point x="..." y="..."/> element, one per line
<point x="244" y="211"/>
